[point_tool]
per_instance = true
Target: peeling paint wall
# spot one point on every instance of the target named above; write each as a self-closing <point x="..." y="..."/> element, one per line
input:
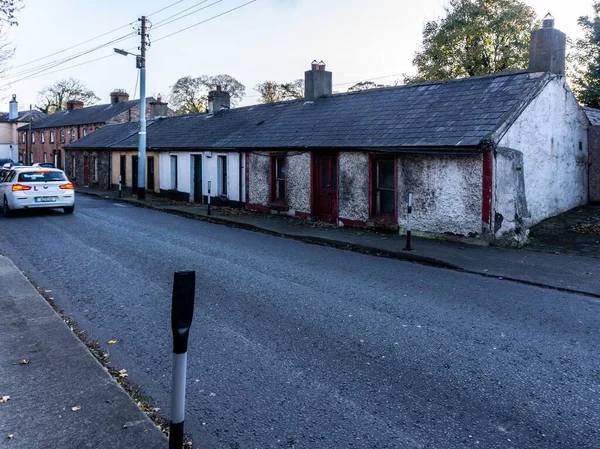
<point x="446" y="193"/>
<point x="354" y="186"/>
<point x="548" y="133"/>
<point x="298" y="182"/>
<point x="510" y="197"/>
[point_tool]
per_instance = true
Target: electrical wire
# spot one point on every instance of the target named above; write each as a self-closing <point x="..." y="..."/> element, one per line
<point x="162" y="22"/>
<point x="203" y="21"/>
<point x="166" y="7"/>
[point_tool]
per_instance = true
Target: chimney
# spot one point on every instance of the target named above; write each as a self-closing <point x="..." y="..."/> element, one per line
<point x="158" y="108"/>
<point x="317" y="81"/>
<point x="13" y="108"/>
<point x="547" y="48"/>
<point x="74" y="104"/>
<point x="118" y="95"/>
<point x="217" y="100"/>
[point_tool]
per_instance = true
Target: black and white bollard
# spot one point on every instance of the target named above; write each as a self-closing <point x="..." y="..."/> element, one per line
<point x="208" y="212"/>
<point x="182" y="312"/>
<point x="120" y="181"/>
<point x="408" y="247"/>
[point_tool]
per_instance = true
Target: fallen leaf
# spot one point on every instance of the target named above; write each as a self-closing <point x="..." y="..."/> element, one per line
<point x="123" y="373"/>
<point x="4" y="399"/>
<point x="76" y="408"/>
<point x="485" y="271"/>
<point x="9" y="436"/>
<point x="112" y="342"/>
<point x="24" y="362"/>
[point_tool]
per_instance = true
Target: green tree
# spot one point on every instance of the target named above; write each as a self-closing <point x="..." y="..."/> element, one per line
<point x="272" y="91"/>
<point x="189" y="95"/>
<point x="55" y="96"/>
<point x="585" y="60"/>
<point x="476" y="37"/>
<point x="365" y="85"/>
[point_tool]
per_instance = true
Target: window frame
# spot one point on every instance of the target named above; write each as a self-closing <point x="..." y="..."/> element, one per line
<point x="62" y="136"/>
<point x="222" y="175"/>
<point x="32" y="136"/>
<point x="42" y="137"/>
<point x="51" y="136"/>
<point x="374" y="188"/>
<point x="276" y="197"/>
<point x="174" y="170"/>
<point x="24" y="137"/>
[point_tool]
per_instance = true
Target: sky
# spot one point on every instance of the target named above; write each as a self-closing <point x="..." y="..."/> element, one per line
<point x="264" y="40"/>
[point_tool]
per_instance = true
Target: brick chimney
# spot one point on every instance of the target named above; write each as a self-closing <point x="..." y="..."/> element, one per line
<point x="13" y="108"/>
<point x="118" y="95"/>
<point x="547" y="48"/>
<point x="217" y="100"/>
<point x="317" y="81"/>
<point x="74" y="104"/>
<point x="158" y="108"/>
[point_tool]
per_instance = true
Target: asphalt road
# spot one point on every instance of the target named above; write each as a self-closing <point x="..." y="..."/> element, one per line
<point x="302" y="346"/>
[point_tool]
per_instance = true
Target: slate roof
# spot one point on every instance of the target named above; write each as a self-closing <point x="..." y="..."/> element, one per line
<point x="23" y="116"/>
<point x="593" y="115"/>
<point x="459" y="113"/>
<point x="108" y="135"/>
<point x="83" y="116"/>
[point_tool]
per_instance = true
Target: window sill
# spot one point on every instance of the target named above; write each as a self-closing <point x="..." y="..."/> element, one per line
<point x="279" y="205"/>
<point x="383" y="221"/>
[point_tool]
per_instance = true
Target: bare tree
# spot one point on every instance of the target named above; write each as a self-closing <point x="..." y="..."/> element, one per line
<point x="8" y="9"/>
<point x="54" y="97"/>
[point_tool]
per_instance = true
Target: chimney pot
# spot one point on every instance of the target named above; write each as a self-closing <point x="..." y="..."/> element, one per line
<point x="13" y="108"/>
<point x="317" y="81"/>
<point x="74" y="104"/>
<point x="218" y="99"/>
<point x="547" y="50"/>
<point x="118" y="95"/>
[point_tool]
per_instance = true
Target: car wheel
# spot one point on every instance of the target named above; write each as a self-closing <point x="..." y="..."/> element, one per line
<point x="69" y="210"/>
<point x="6" y="212"/>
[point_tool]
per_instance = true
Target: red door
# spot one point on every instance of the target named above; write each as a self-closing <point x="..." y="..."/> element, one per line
<point x="86" y="171"/>
<point x="325" y="179"/>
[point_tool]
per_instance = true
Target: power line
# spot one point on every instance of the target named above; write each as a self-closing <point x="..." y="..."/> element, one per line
<point x="166" y="7"/>
<point x="370" y="79"/>
<point x="203" y="21"/>
<point x="162" y="22"/>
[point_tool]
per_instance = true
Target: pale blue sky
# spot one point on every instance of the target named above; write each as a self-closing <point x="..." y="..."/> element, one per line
<point x="268" y="39"/>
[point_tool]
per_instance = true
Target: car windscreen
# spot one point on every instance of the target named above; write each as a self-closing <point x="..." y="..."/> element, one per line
<point x="41" y="176"/>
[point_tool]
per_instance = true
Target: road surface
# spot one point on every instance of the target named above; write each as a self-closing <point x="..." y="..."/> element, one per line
<point x="302" y="346"/>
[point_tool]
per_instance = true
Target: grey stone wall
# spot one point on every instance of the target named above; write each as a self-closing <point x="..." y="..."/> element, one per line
<point x="354" y="186"/>
<point x="258" y="186"/>
<point x="446" y="190"/>
<point x="77" y="177"/>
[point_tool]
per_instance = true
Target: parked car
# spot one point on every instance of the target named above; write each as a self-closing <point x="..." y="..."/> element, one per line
<point x="43" y="164"/>
<point x="32" y="188"/>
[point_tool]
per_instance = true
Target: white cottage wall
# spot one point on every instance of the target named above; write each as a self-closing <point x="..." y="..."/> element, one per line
<point x="549" y="133"/>
<point x="209" y="173"/>
<point x="354" y="186"/>
<point x="446" y="192"/>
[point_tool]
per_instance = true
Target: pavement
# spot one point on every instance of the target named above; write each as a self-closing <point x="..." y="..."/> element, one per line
<point x="53" y="392"/>
<point x="546" y="266"/>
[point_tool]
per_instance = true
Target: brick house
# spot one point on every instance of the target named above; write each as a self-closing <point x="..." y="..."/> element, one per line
<point x="52" y="133"/>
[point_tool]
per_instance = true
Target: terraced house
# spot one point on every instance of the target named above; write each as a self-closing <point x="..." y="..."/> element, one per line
<point x="50" y="134"/>
<point x="484" y="157"/>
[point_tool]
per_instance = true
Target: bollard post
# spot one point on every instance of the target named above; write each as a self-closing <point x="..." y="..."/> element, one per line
<point x="120" y="180"/>
<point x="182" y="312"/>
<point x="408" y="247"/>
<point x="208" y="198"/>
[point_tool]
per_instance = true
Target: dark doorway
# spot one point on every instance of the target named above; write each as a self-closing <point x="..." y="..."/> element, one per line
<point x="325" y="182"/>
<point x="122" y="169"/>
<point x="86" y="171"/>
<point x="198" y="178"/>
<point x="150" y="175"/>
<point x="134" y="174"/>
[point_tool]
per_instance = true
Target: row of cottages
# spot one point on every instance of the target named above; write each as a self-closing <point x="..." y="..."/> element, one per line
<point x="9" y="123"/>
<point x="48" y="136"/>
<point x="484" y="157"/>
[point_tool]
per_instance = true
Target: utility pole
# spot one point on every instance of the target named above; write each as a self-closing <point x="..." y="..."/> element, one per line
<point x="141" y="63"/>
<point x="28" y="142"/>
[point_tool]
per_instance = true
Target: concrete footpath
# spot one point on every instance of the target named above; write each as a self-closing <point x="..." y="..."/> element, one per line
<point x="575" y="273"/>
<point x="53" y="392"/>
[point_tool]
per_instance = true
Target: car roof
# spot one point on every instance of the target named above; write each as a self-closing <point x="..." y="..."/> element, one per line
<point x="29" y="167"/>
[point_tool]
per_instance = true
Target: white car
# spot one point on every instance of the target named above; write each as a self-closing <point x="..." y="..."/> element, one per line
<point x="35" y="187"/>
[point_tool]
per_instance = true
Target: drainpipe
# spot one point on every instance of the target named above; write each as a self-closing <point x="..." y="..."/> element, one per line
<point x="240" y="175"/>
